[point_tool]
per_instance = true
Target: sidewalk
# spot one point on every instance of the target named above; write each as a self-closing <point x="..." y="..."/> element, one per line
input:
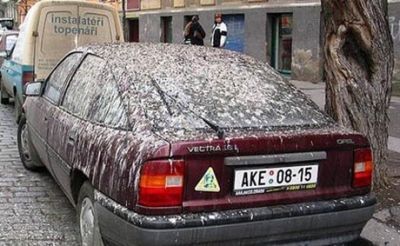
<point x="317" y="94"/>
<point x="380" y="230"/>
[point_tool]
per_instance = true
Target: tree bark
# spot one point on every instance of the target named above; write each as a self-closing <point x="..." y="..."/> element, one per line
<point x="358" y="63"/>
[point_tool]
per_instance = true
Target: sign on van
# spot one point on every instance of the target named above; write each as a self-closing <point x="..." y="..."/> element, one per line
<point x="53" y="28"/>
<point x="69" y="25"/>
<point x="64" y="30"/>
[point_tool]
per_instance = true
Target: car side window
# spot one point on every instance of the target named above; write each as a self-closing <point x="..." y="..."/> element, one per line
<point x="59" y="76"/>
<point x="93" y="94"/>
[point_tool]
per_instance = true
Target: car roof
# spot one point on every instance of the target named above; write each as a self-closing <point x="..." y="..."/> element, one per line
<point x="140" y="59"/>
<point x="207" y="82"/>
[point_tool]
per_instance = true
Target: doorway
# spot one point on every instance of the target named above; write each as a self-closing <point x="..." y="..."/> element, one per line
<point x="281" y="42"/>
<point x="133" y="26"/>
<point x="166" y="29"/>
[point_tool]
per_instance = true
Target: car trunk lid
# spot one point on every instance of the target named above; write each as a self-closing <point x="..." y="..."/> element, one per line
<point x="215" y="170"/>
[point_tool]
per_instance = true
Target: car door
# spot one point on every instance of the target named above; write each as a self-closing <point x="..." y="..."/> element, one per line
<point x="69" y="119"/>
<point x="40" y="113"/>
<point x="91" y="104"/>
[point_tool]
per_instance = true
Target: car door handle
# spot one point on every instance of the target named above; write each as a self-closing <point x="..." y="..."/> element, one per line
<point x="71" y="139"/>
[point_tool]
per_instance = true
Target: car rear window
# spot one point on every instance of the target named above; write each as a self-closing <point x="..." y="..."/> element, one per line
<point x="235" y="92"/>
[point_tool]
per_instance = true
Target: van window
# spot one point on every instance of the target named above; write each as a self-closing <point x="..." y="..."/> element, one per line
<point x="60" y="74"/>
<point x="93" y="94"/>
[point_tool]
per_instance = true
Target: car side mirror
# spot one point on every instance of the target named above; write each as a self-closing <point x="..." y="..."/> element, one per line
<point x="34" y="89"/>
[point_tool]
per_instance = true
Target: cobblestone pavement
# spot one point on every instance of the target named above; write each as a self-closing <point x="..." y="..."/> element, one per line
<point x="33" y="209"/>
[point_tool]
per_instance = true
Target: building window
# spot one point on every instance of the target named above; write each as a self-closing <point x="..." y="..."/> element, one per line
<point x="133" y="4"/>
<point x="133" y="25"/>
<point x="281" y="42"/>
<point x="150" y="4"/>
<point x="179" y="3"/>
<point x="166" y="29"/>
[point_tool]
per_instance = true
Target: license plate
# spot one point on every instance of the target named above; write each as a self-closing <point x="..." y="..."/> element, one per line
<point x="262" y="180"/>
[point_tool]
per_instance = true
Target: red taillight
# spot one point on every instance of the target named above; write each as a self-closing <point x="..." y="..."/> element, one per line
<point x="161" y="183"/>
<point x="27" y="77"/>
<point x="363" y="167"/>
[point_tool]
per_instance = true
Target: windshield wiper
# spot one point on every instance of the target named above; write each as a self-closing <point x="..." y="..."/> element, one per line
<point x="163" y="95"/>
<point x="220" y="132"/>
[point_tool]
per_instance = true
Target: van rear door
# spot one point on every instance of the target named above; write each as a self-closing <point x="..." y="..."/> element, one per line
<point x="64" y="27"/>
<point x="55" y="36"/>
<point x="100" y="26"/>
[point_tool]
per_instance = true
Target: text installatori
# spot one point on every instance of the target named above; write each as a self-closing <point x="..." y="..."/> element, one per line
<point x="69" y="25"/>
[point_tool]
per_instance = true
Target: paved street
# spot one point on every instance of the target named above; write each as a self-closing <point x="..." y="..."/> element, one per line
<point x="33" y="210"/>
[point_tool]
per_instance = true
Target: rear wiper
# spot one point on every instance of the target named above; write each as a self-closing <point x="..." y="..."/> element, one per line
<point x="220" y="132"/>
<point x="163" y="95"/>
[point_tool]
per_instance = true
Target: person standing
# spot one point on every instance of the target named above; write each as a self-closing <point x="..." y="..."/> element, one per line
<point x="194" y="32"/>
<point x="219" y="32"/>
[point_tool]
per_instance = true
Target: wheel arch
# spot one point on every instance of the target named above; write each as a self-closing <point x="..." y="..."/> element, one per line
<point x="77" y="180"/>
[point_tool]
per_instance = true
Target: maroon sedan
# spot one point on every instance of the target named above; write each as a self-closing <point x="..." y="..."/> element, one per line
<point x="174" y="145"/>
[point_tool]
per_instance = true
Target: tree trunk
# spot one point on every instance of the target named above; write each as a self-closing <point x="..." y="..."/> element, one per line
<point x="358" y="63"/>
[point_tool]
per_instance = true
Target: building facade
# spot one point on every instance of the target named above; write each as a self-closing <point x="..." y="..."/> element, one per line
<point x="284" y="33"/>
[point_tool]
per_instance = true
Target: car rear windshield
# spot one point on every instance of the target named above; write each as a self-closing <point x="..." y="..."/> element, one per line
<point x="233" y="92"/>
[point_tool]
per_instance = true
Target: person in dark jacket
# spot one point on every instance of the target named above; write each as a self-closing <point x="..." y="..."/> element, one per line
<point x="194" y="32"/>
<point x="219" y="32"/>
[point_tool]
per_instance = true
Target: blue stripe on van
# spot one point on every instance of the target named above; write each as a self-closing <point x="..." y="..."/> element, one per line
<point x="15" y="71"/>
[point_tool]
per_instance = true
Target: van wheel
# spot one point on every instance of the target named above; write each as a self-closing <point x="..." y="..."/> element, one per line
<point x="27" y="153"/>
<point x="4" y="98"/>
<point x="17" y="108"/>
<point x="87" y="217"/>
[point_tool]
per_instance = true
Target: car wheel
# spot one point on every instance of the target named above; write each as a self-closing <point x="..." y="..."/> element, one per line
<point x="88" y="224"/>
<point x="27" y="153"/>
<point x="17" y="109"/>
<point x="4" y="98"/>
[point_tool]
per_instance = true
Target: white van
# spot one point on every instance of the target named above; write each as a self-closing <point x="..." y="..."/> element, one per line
<point x="51" y="29"/>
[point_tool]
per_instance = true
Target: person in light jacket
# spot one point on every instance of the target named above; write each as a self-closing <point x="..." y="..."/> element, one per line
<point x="219" y="32"/>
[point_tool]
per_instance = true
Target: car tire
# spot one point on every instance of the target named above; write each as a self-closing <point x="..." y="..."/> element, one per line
<point x="27" y="153"/>
<point x="17" y="108"/>
<point x="87" y="217"/>
<point x="4" y="97"/>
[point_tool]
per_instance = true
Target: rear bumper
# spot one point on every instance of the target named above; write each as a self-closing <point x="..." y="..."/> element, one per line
<point x="314" y="223"/>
